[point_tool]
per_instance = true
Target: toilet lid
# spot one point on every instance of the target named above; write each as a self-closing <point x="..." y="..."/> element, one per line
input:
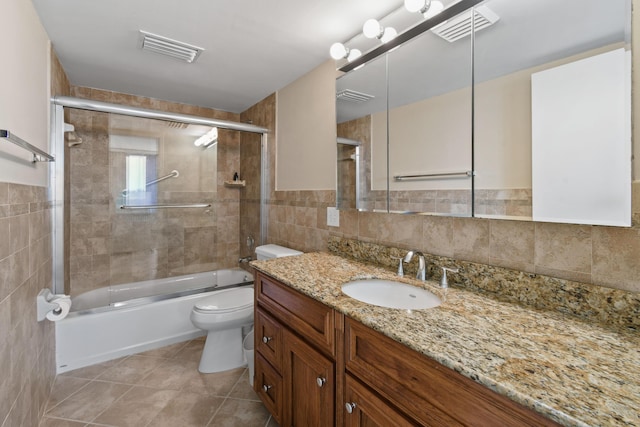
<point x="227" y="300"/>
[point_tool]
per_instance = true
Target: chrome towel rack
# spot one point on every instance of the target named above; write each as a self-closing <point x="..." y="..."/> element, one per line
<point x="433" y="175"/>
<point x="194" y="205"/>
<point x="38" y="154"/>
<point x="173" y="174"/>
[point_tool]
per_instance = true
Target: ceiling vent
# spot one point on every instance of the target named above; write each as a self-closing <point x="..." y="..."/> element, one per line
<point x="176" y="125"/>
<point x="353" y="96"/>
<point x="460" y="26"/>
<point x="166" y="46"/>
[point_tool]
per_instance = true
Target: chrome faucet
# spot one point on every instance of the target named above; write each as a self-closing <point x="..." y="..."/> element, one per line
<point x="422" y="265"/>
<point x="245" y="259"/>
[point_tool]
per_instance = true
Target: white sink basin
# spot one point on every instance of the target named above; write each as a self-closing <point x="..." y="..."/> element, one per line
<point x="390" y="294"/>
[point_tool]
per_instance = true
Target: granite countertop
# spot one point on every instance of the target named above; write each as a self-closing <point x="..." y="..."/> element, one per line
<point x="573" y="372"/>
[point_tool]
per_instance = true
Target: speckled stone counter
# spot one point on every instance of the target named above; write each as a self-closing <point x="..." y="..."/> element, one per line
<point x="576" y="373"/>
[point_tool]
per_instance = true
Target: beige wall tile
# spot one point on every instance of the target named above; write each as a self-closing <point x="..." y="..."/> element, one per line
<point x="563" y="247"/>
<point x="512" y="244"/>
<point x="615" y="257"/>
<point x="437" y="235"/>
<point x="471" y="239"/>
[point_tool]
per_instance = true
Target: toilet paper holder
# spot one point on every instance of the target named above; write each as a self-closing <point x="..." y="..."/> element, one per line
<point x="46" y="301"/>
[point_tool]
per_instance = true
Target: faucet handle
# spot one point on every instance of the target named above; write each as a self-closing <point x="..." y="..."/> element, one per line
<point x="400" y="268"/>
<point x="443" y="282"/>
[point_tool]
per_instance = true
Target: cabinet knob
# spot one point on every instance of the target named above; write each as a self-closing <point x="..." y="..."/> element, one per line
<point x="266" y="339"/>
<point x="350" y="406"/>
<point x="320" y="381"/>
<point x="266" y="388"/>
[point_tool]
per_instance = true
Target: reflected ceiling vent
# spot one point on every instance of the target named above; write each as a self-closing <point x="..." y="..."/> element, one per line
<point x="460" y="26"/>
<point x="177" y="125"/>
<point x="166" y="46"/>
<point x="353" y="96"/>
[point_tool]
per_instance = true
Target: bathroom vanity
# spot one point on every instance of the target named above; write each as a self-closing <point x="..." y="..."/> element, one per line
<point x="326" y="359"/>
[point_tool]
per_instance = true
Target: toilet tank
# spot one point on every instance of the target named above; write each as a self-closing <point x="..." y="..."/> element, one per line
<point x="274" y="251"/>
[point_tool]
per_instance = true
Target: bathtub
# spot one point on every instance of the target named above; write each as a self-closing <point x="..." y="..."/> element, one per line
<point x="120" y="320"/>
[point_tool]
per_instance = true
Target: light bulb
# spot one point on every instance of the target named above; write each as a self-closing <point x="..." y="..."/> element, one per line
<point x="353" y="55"/>
<point x="435" y="8"/>
<point x="372" y="29"/>
<point x="338" y="51"/>
<point x="208" y="139"/>
<point x="415" y="5"/>
<point x="389" y="34"/>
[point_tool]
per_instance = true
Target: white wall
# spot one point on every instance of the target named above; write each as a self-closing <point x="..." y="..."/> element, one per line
<point x="306" y="132"/>
<point x="24" y="91"/>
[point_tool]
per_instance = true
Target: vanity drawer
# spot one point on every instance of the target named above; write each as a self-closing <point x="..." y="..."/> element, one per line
<point x="308" y="317"/>
<point x="426" y="390"/>
<point x="268" y="338"/>
<point x="269" y="386"/>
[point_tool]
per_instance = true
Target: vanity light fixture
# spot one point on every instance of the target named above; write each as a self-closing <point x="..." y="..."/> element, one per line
<point x="428" y="8"/>
<point x="340" y="51"/>
<point x="372" y="29"/>
<point x="207" y="140"/>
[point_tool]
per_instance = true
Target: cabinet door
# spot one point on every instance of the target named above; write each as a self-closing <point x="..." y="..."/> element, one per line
<point x="268" y="385"/>
<point x="364" y="408"/>
<point x="309" y="379"/>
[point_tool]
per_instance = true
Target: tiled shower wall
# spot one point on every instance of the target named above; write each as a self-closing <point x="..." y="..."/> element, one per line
<point x="111" y="246"/>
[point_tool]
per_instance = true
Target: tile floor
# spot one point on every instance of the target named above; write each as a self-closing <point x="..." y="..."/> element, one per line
<point x="157" y="388"/>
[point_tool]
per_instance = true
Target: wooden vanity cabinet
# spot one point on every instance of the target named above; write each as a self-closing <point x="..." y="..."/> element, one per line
<point x="315" y="367"/>
<point x="423" y="389"/>
<point x="295" y="355"/>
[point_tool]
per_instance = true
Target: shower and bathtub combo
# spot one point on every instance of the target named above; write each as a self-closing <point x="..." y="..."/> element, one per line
<point x="149" y="256"/>
<point x="120" y="320"/>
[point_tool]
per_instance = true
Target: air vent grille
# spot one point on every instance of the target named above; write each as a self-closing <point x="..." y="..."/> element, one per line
<point x="460" y="26"/>
<point x="177" y="125"/>
<point x="353" y="96"/>
<point x="166" y="46"/>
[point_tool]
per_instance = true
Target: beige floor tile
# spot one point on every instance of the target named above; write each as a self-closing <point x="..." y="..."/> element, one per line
<point x="131" y="370"/>
<point x="136" y="408"/>
<point x="240" y="413"/>
<point x="167" y="351"/>
<point x="188" y="410"/>
<point x="171" y="374"/>
<point x="272" y="423"/>
<point x="217" y="384"/>
<point x="64" y="387"/>
<point x="243" y="390"/>
<point x="56" y="422"/>
<point x="91" y="372"/>
<point x="95" y="398"/>
<point x="191" y="351"/>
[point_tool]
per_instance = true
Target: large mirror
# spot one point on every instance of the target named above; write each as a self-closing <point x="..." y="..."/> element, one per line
<point x="434" y="113"/>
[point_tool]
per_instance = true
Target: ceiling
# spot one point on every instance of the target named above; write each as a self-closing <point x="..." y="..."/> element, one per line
<point x="252" y="47"/>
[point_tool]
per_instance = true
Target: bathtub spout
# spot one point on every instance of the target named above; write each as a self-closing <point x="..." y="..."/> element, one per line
<point x="245" y="259"/>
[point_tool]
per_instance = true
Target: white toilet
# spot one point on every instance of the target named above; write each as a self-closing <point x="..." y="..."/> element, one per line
<point x="224" y="314"/>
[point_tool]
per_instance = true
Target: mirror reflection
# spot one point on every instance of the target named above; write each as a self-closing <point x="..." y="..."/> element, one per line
<point x="431" y="101"/>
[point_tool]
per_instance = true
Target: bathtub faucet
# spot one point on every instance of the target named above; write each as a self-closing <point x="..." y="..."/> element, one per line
<point x="245" y="259"/>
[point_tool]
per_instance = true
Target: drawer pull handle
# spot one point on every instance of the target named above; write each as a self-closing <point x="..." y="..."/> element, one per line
<point x="266" y="339"/>
<point x="320" y="381"/>
<point x="350" y="406"/>
<point x="266" y="388"/>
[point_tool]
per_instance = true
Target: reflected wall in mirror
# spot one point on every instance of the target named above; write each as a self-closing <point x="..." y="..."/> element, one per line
<point x="360" y="94"/>
<point x="533" y="36"/>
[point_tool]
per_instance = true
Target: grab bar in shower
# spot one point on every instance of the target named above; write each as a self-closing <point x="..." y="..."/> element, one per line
<point x="38" y="154"/>
<point x="194" y="205"/>
<point x="432" y="175"/>
<point x="173" y="174"/>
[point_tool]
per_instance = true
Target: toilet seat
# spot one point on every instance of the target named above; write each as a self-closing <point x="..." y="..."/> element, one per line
<point x="226" y="301"/>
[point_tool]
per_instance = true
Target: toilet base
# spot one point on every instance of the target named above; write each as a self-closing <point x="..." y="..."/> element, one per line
<point x="222" y="351"/>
